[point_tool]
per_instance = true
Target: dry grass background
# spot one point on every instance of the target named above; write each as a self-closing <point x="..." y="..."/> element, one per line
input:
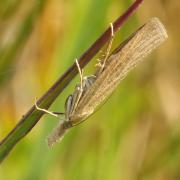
<point x="135" y="135"/>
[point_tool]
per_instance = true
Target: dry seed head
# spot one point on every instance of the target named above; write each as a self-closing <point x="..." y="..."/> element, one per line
<point x="124" y="59"/>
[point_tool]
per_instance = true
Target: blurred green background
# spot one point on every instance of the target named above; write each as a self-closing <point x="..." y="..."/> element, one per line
<point x="135" y="135"/>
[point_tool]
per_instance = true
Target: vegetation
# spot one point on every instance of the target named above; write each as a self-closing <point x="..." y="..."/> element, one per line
<point x="134" y="136"/>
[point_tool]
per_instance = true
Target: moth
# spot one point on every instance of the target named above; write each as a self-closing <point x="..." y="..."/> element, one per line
<point x="92" y="90"/>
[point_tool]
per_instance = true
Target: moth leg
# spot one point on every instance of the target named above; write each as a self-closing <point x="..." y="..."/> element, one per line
<point x="58" y="113"/>
<point x="107" y="52"/>
<point x="69" y="105"/>
<point x="87" y="82"/>
<point x="46" y="111"/>
<point x="72" y="102"/>
<point x="79" y="88"/>
<point x="81" y="75"/>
